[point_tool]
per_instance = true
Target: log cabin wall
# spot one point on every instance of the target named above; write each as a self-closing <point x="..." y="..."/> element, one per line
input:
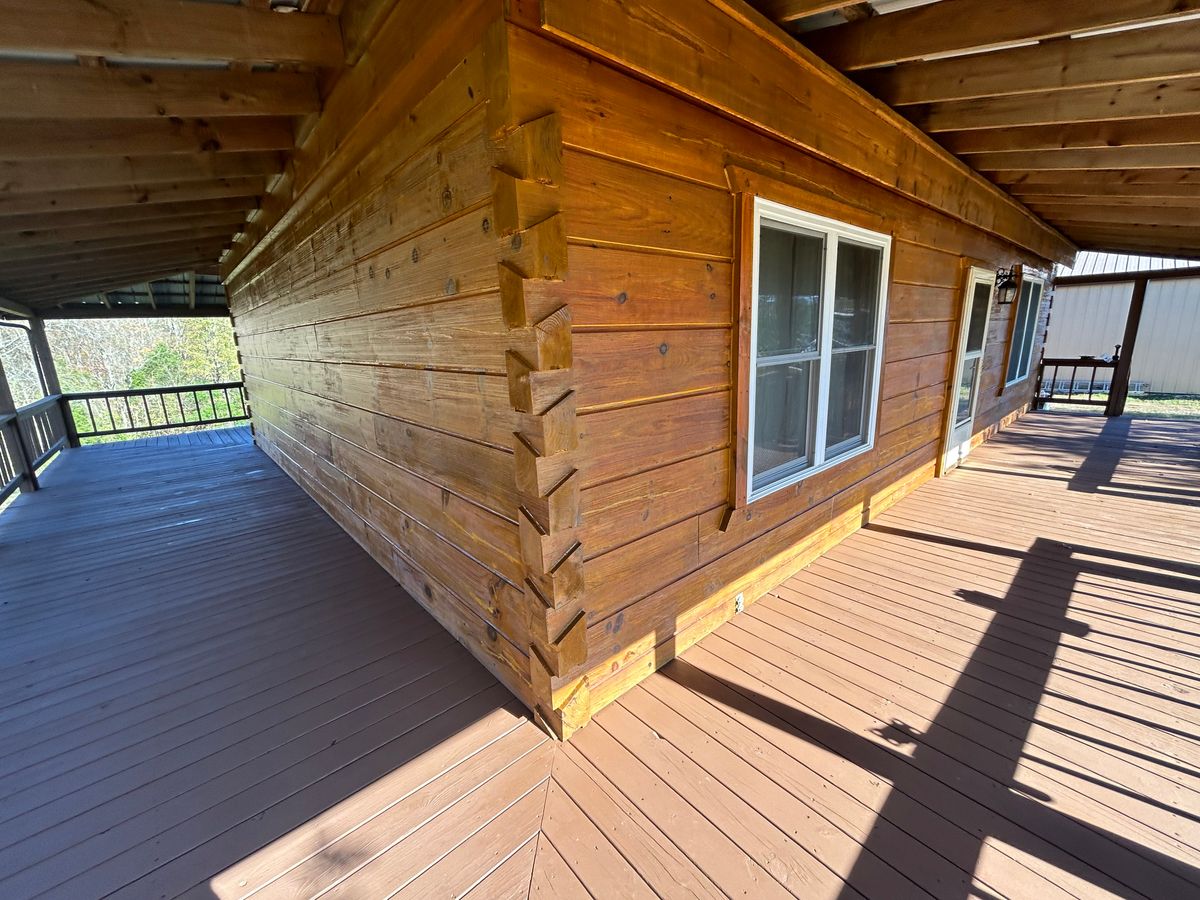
<point x="649" y="196"/>
<point x="488" y="320"/>
<point x="372" y="335"/>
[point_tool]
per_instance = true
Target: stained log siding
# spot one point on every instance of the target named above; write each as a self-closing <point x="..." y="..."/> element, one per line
<point x="649" y="190"/>
<point x="371" y="332"/>
<point x="494" y="332"/>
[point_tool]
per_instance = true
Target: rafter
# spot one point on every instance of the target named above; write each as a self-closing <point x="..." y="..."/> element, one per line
<point x="53" y="251"/>
<point x="1155" y="178"/>
<point x="1108" y="158"/>
<point x="148" y="215"/>
<point x="41" y="138"/>
<point x="37" y="295"/>
<point x="1150" y="54"/>
<point x="56" y="173"/>
<point x="1187" y="196"/>
<point x="791" y="10"/>
<point x="134" y="232"/>
<point x="78" y="283"/>
<point x="66" y="263"/>
<point x="957" y="26"/>
<point x="168" y="29"/>
<point x="1131" y="101"/>
<point x="1077" y="135"/>
<point x="1068" y="215"/>
<point x="131" y="195"/>
<point x="29" y="90"/>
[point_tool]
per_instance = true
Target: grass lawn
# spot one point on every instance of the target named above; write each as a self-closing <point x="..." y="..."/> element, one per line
<point x="1155" y="406"/>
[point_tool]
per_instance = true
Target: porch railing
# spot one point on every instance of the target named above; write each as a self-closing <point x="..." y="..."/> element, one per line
<point x="1074" y="390"/>
<point x="29" y="436"/>
<point x="111" y="413"/>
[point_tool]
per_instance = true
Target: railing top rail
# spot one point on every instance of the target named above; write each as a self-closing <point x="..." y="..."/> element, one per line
<point x="30" y="409"/>
<point x="1081" y="361"/>
<point x="145" y="392"/>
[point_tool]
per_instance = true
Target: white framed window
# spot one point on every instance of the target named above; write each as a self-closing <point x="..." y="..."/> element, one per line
<point x="1025" y="318"/>
<point x="818" y="311"/>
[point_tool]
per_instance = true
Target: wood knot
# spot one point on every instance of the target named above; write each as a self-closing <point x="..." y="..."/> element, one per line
<point x="622" y="297"/>
<point x="662" y="348"/>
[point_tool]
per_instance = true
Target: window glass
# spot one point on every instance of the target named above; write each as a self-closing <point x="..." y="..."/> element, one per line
<point x="783" y="416"/>
<point x="977" y="329"/>
<point x="856" y="296"/>
<point x="815" y="356"/>
<point x="1024" y="330"/>
<point x="966" y="392"/>
<point x="849" y="395"/>
<point x="789" y="291"/>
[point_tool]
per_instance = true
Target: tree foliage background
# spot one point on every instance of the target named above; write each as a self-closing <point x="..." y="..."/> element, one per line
<point x="114" y="354"/>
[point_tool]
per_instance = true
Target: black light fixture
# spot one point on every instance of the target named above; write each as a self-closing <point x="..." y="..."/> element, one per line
<point x="1006" y="285"/>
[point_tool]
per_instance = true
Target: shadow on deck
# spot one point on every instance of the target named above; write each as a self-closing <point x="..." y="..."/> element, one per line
<point x="990" y="691"/>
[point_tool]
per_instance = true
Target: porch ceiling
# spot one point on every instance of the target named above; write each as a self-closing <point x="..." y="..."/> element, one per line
<point x="1086" y="112"/>
<point x="138" y="136"/>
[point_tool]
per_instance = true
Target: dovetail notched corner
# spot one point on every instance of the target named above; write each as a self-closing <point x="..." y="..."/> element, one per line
<point x="532" y="244"/>
<point x="539" y="251"/>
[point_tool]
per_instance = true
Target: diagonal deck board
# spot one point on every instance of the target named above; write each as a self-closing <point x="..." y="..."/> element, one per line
<point x="993" y="690"/>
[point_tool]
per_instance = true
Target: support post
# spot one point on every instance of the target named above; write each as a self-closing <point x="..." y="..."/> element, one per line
<point x="43" y="356"/>
<point x="1118" y="392"/>
<point x="13" y="438"/>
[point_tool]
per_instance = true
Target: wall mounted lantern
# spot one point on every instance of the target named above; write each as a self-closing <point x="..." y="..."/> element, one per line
<point x="1006" y="284"/>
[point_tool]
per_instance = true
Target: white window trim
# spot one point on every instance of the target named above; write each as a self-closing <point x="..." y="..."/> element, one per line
<point x="832" y="229"/>
<point x="1012" y="347"/>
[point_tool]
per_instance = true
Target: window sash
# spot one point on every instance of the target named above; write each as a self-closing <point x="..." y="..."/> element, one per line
<point x="835" y="233"/>
<point x="1024" y="334"/>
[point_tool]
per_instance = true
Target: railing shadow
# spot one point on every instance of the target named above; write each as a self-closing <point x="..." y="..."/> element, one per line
<point x="1015" y="815"/>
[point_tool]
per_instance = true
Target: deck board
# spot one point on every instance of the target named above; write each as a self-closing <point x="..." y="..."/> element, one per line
<point x="992" y="690"/>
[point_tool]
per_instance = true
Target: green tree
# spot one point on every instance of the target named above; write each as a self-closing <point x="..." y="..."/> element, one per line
<point x="162" y="366"/>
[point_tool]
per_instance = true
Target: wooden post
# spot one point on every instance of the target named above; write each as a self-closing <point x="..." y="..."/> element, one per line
<point x="14" y="438"/>
<point x="1118" y="392"/>
<point x="43" y="356"/>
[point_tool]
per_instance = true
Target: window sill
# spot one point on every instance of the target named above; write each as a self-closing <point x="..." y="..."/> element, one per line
<point x="791" y="480"/>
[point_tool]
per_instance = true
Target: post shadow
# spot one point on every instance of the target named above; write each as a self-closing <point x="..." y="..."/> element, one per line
<point x="1021" y="817"/>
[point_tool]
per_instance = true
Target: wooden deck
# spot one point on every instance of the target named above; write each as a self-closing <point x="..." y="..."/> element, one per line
<point x="207" y="689"/>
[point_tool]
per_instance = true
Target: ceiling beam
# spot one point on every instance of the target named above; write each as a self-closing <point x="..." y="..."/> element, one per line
<point x="27" y="175"/>
<point x="149" y="215"/>
<point x="1107" y="158"/>
<point x="107" y="279"/>
<point x="1187" y="196"/>
<point x="129" y="195"/>
<point x="1118" y="246"/>
<point x="1149" y="54"/>
<point x="50" y="252"/>
<point x="958" y="26"/>
<point x="66" y="91"/>
<point x="1144" y="235"/>
<point x="12" y="308"/>
<point x="134" y="311"/>
<point x="1155" y="178"/>
<point x="134" y="232"/>
<point x="1075" y="135"/>
<point x="169" y="29"/>
<point x="191" y="290"/>
<point x="1131" y="101"/>
<point x="72" y="264"/>
<point x="791" y="10"/>
<point x="1067" y="216"/>
<point x="1119" y="277"/>
<point x="41" y="138"/>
